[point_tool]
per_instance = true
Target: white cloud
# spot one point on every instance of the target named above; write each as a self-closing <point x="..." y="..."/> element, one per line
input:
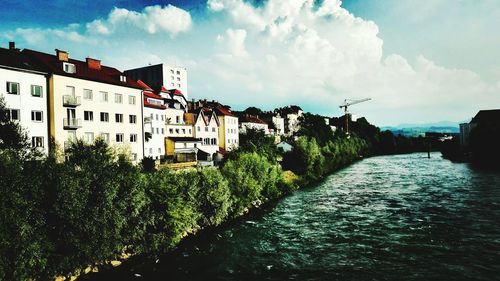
<point x="283" y="52"/>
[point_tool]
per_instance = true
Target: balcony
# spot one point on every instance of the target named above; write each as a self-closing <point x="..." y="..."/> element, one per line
<point x="71" y="101"/>
<point x="72" y="123"/>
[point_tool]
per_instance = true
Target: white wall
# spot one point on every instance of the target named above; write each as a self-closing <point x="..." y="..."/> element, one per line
<point x="25" y="102"/>
<point x="231" y="127"/>
<point x="211" y="131"/>
<point x="97" y="106"/>
<point x="258" y="126"/>
<point x="155" y="147"/>
<point x="175" y="78"/>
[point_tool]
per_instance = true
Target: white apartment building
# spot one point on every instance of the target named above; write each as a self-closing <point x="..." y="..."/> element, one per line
<point x="162" y="75"/>
<point x="88" y="100"/>
<point x="24" y="89"/>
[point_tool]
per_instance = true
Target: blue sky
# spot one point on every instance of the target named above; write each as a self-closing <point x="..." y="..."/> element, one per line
<point x="420" y="61"/>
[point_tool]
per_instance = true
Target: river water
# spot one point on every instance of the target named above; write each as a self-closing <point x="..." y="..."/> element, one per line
<point x="402" y="217"/>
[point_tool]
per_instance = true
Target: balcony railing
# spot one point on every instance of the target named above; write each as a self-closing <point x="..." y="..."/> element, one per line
<point x="69" y="100"/>
<point x="72" y="123"/>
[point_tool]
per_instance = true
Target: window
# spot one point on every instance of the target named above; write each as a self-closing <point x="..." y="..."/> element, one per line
<point x="171" y="130"/>
<point x="150" y="151"/>
<point x="13" y="88"/>
<point x="118" y="98"/>
<point x="36" y="141"/>
<point x="185" y="145"/>
<point x="13" y="114"/>
<point x="162" y="131"/>
<point x="36" y="91"/>
<point x="88" y="116"/>
<point x="177" y="119"/>
<point x="133" y="137"/>
<point x="162" y="118"/>
<point x="105" y="137"/>
<point x="69" y="67"/>
<point x="206" y="141"/>
<point x="104" y="117"/>
<point x="132" y="119"/>
<point x="104" y="96"/>
<point x="179" y="85"/>
<point x="172" y="77"/>
<point x="213" y="129"/>
<point x="87" y="94"/>
<point x="159" y="150"/>
<point x="183" y="131"/>
<point x="119" y="138"/>
<point x="176" y="131"/>
<point x="206" y="129"/>
<point x="178" y="72"/>
<point x="134" y="156"/>
<point x="157" y="117"/>
<point x="190" y="131"/>
<point x="157" y="130"/>
<point x="172" y="84"/>
<point x="36" y="116"/>
<point x="172" y="71"/>
<point x="178" y="79"/>
<point x="198" y="128"/>
<point x="89" y="137"/>
<point x="123" y="78"/>
<point x="119" y="118"/>
<point x="131" y="100"/>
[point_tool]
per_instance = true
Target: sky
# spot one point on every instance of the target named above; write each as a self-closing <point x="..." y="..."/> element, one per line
<point x="419" y="61"/>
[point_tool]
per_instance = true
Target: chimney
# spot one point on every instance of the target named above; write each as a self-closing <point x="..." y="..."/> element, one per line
<point x="62" y="55"/>
<point x="12" y="45"/>
<point x="93" y="64"/>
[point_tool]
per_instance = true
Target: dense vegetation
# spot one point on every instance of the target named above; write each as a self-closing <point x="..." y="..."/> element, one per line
<point x="60" y="216"/>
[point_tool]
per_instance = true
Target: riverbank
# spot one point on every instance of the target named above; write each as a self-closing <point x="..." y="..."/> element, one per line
<point x="405" y="215"/>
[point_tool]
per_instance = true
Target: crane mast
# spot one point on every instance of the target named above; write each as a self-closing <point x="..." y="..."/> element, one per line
<point x="346" y="104"/>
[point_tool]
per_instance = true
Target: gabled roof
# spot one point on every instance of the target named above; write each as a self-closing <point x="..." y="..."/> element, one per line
<point x="223" y="111"/>
<point x="487" y="116"/>
<point x="15" y="59"/>
<point x="51" y="64"/>
<point x="207" y="115"/>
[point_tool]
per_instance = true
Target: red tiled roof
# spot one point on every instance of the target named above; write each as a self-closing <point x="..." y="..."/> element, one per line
<point x="252" y="119"/>
<point x="144" y="86"/>
<point x="106" y="74"/>
<point x="224" y="111"/>
<point x="152" y="95"/>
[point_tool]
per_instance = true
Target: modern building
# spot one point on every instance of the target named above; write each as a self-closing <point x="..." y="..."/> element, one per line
<point x="24" y="89"/>
<point x="88" y="100"/>
<point x="162" y="75"/>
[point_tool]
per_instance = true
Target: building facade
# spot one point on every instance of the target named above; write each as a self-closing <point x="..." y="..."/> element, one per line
<point x="89" y="101"/>
<point x="162" y="75"/>
<point x="24" y="89"/>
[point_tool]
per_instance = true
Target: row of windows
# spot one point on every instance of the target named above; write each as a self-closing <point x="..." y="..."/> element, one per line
<point x="178" y="131"/>
<point x="104" y="117"/>
<point x="232" y="131"/>
<point x="164" y="118"/>
<point x="198" y="128"/>
<point x="210" y="141"/>
<point x="103" y="96"/>
<point x="14" y="114"/>
<point x="89" y="137"/>
<point x="13" y="88"/>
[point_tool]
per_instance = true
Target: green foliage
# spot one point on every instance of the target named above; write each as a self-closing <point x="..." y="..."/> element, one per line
<point x="255" y="141"/>
<point x="314" y="126"/>
<point x="305" y="159"/>
<point x="214" y="197"/>
<point x="251" y="178"/>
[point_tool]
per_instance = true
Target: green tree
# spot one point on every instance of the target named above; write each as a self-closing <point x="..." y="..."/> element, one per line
<point x="305" y="159"/>
<point x="214" y="197"/>
<point x="314" y="126"/>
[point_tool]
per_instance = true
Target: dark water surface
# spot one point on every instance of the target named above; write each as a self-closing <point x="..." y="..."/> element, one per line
<point x="401" y="217"/>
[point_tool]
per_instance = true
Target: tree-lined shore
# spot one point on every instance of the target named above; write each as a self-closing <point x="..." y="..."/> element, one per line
<point x="58" y="217"/>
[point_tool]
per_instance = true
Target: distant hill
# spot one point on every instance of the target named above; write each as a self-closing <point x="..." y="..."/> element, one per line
<point x="413" y="130"/>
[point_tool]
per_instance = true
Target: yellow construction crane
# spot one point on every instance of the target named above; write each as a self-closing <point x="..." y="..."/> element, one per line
<point x="346" y="104"/>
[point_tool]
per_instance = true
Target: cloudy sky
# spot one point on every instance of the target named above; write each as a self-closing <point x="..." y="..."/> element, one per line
<point x="419" y="61"/>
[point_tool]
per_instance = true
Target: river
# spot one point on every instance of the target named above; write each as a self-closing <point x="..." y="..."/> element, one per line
<point x="402" y="217"/>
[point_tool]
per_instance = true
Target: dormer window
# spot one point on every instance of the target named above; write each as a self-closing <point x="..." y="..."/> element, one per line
<point x="69" y="67"/>
<point x="123" y="78"/>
